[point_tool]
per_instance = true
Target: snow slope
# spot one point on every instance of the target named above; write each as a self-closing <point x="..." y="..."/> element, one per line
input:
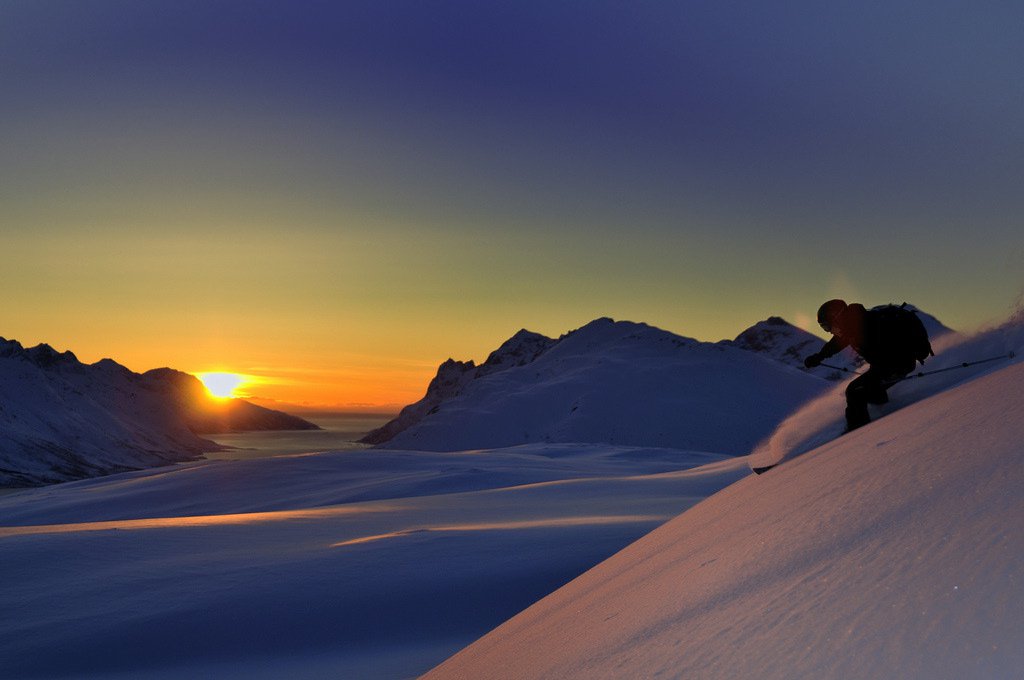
<point x="609" y="382"/>
<point x="822" y="420"/>
<point x="893" y="552"/>
<point x="368" y="564"/>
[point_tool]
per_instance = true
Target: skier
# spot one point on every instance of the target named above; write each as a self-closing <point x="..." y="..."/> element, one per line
<point x="891" y="339"/>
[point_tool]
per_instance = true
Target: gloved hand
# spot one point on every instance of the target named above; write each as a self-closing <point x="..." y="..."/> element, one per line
<point x="812" y="361"/>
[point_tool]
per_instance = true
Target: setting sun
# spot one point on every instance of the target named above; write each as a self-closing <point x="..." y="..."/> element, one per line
<point x="221" y="385"/>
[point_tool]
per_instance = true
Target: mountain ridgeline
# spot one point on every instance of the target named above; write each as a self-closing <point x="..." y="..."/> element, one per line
<point x="61" y="419"/>
<point x="609" y="382"/>
<point x="617" y="382"/>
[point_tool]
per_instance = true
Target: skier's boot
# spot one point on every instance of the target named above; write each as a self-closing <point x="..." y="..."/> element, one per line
<point x="856" y="416"/>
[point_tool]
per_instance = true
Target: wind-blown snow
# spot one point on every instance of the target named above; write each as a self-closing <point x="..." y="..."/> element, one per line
<point x="822" y="420"/>
<point x="893" y="552"/>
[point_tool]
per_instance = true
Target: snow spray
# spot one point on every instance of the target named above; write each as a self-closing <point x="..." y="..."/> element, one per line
<point x="823" y="419"/>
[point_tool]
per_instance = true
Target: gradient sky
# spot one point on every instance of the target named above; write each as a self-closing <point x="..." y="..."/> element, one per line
<point x="337" y="196"/>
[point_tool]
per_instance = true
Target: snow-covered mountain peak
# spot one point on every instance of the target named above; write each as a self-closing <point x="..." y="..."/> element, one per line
<point x="625" y="338"/>
<point x="601" y="323"/>
<point x="9" y="347"/>
<point x="110" y="366"/>
<point x="61" y="419"/>
<point x="607" y="382"/>
<point x="170" y="378"/>
<point x="454" y="376"/>
<point x="520" y="349"/>
<point x="777" y="338"/>
<point x="524" y="336"/>
<point x="41" y="355"/>
<point x="765" y="335"/>
<point x="530" y="380"/>
<point x="606" y="329"/>
<point x="451" y="374"/>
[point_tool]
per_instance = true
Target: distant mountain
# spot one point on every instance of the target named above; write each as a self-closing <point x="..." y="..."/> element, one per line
<point x="780" y="340"/>
<point x="621" y="382"/>
<point x="609" y="382"/>
<point x="453" y="376"/>
<point x="61" y="419"/>
<point x="204" y="415"/>
<point x="936" y="329"/>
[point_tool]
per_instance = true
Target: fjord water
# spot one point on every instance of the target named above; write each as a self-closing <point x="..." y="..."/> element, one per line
<point x="341" y="432"/>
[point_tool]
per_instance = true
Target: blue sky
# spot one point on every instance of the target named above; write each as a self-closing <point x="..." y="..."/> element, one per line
<point x="370" y="185"/>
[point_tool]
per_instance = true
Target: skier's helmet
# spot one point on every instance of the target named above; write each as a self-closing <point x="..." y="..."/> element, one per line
<point x="828" y="313"/>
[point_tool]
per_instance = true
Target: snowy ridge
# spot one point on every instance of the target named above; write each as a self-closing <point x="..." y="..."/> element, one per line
<point x="613" y="382"/>
<point x="452" y="377"/>
<point x="61" y="419"/>
<point x="780" y="340"/>
<point x="893" y="552"/>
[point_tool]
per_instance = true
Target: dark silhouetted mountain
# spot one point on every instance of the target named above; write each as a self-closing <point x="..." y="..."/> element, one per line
<point x="61" y="419"/>
<point x="206" y="415"/>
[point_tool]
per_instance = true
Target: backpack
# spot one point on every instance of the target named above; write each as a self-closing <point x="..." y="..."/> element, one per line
<point x="903" y="331"/>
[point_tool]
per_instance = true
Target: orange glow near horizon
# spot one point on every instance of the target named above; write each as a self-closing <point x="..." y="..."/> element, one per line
<point x="372" y="389"/>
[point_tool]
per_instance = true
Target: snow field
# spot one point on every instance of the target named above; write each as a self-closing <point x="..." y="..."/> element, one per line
<point x="371" y="564"/>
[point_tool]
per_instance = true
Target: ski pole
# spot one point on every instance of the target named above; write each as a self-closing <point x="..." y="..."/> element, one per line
<point x="965" y="364"/>
<point x="921" y="374"/>
<point x="840" y="368"/>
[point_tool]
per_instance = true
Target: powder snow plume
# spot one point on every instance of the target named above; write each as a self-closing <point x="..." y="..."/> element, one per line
<point x="823" y="419"/>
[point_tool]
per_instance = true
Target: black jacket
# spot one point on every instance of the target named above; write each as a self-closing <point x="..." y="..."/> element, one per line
<point x="861" y="329"/>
